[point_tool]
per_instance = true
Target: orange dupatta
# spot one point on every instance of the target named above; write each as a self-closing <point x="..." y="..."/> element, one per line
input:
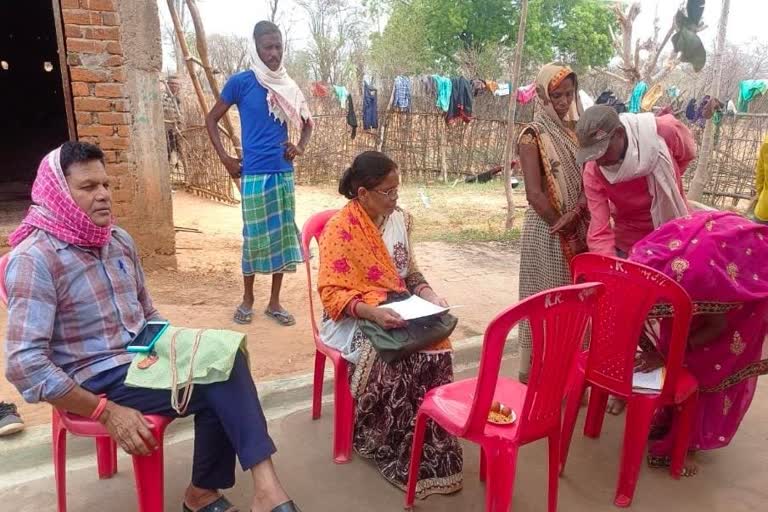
<point x="354" y="262"/>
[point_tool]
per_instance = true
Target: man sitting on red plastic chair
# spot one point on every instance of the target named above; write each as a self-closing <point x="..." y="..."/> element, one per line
<point x="76" y="298"/>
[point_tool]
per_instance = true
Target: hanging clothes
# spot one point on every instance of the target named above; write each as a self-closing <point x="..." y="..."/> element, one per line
<point x="637" y="97"/>
<point x="700" y="119"/>
<point x="731" y="108"/>
<point x="370" y="108"/>
<point x="502" y="89"/>
<point x="492" y="86"/>
<point x="351" y="116"/>
<point x="690" y="110"/>
<point x="461" y="101"/>
<point x="443" y="86"/>
<point x="401" y="93"/>
<point x="319" y="89"/>
<point x="610" y="99"/>
<point x="673" y="91"/>
<point x="341" y="94"/>
<point x="526" y="93"/>
<point x="651" y="98"/>
<point x="748" y="91"/>
<point x="427" y="86"/>
<point x="478" y="87"/>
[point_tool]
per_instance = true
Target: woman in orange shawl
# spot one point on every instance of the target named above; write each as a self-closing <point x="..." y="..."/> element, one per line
<point x="365" y="252"/>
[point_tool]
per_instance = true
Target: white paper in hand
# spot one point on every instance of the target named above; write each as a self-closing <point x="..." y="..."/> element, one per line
<point x="414" y="307"/>
<point x="651" y="382"/>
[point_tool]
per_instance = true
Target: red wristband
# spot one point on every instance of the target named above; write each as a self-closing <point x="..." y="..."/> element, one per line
<point x="99" y="410"/>
<point x="353" y="307"/>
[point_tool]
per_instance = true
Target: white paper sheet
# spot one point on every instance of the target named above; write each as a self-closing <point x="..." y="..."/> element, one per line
<point x="648" y="382"/>
<point x="414" y="307"/>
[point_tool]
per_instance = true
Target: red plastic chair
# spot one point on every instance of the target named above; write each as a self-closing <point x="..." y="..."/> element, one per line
<point x="558" y="320"/>
<point x="607" y="367"/>
<point x="344" y="405"/>
<point x="148" y="469"/>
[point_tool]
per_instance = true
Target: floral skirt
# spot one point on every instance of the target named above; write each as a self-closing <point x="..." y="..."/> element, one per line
<point x="388" y="397"/>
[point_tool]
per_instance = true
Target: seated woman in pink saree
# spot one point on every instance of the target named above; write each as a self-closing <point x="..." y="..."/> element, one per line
<point x="719" y="258"/>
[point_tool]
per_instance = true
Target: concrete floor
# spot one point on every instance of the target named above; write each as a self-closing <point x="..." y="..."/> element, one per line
<point x="730" y="480"/>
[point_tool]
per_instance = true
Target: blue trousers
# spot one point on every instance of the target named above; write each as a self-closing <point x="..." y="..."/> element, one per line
<point x="229" y="421"/>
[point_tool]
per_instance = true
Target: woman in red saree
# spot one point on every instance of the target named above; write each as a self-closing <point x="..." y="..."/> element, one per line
<point x="719" y="258"/>
<point x="365" y="253"/>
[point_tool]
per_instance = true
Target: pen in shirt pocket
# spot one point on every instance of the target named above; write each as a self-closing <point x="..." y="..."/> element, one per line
<point x="122" y="266"/>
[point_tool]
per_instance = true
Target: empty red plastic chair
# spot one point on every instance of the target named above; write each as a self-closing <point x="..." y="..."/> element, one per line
<point x="148" y="470"/>
<point x="558" y="320"/>
<point x="343" y="403"/>
<point x="631" y="290"/>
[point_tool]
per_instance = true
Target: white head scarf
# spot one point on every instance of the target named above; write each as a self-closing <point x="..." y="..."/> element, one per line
<point x="648" y="156"/>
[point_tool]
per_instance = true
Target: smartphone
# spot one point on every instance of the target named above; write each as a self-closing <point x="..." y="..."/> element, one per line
<point x="145" y="341"/>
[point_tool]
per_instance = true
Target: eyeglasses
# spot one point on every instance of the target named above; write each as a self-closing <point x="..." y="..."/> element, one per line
<point x="391" y="194"/>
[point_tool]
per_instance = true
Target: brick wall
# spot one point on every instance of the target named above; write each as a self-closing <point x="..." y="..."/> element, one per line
<point x="101" y="79"/>
<point x="97" y="74"/>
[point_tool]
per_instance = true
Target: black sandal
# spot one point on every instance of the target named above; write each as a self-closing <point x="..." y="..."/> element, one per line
<point x="288" y="506"/>
<point x="220" y="505"/>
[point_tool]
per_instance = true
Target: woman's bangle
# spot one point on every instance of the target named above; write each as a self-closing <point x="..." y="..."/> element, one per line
<point x="423" y="286"/>
<point x="352" y="308"/>
<point x="99" y="410"/>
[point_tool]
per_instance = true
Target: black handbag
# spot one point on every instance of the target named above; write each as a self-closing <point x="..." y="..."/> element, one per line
<point x="395" y="344"/>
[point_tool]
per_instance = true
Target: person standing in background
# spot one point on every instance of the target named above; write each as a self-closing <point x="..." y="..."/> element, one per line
<point x="760" y="209"/>
<point x="267" y="99"/>
<point x="555" y="225"/>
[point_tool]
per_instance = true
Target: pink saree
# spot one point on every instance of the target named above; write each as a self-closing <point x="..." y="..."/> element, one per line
<point x="719" y="258"/>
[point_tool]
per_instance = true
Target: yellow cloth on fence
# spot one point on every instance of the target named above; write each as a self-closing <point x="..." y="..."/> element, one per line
<point x="761" y="208"/>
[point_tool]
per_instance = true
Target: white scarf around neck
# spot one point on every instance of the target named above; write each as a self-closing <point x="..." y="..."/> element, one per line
<point x="285" y="100"/>
<point x="648" y="156"/>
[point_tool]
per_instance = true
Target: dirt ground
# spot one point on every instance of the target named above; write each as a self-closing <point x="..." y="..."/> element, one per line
<point x="207" y="285"/>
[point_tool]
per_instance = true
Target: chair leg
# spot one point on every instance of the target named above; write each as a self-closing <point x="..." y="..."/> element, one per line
<point x="105" y="459"/>
<point x="500" y="487"/>
<point x="554" y="471"/>
<point x="598" y="400"/>
<point x="317" y="388"/>
<point x="343" y="416"/>
<point x="149" y="474"/>
<point x="59" y="460"/>
<point x="572" y="406"/>
<point x="416" y="448"/>
<point x="683" y="427"/>
<point x="636" y="431"/>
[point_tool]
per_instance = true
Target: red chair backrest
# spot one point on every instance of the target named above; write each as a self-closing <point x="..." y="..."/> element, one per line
<point x="312" y="229"/>
<point x="3" y="266"/>
<point x="631" y="290"/>
<point x="558" y="320"/>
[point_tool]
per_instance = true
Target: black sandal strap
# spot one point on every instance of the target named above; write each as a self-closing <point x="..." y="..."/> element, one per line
<point x="288" y="506"/>
<point x="220" y="505"/>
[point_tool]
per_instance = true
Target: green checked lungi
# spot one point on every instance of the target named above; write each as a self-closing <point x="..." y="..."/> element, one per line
<point x="270" y="236"/>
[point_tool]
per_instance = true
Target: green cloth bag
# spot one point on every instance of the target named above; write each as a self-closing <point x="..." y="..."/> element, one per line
<point x="213" y="361"/>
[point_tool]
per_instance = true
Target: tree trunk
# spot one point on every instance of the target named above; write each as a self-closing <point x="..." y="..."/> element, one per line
<point x="703" y="172"/>
<point x="187" y="58"/>
<point x="510" y="148"/>
<point x="202" y="50"/>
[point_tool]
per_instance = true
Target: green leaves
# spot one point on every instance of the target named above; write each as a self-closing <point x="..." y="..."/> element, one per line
<point x="438" y="35"/>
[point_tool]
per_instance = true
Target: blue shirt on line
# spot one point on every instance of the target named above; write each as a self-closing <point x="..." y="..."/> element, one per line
<point x="262" y="135"/>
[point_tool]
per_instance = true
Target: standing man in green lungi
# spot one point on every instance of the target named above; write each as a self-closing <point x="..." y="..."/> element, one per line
<point x="267" y="99"/>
